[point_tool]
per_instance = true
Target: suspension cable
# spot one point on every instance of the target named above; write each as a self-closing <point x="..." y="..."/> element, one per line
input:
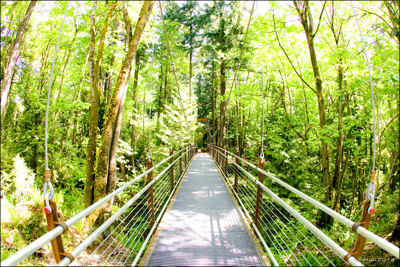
<point x="370" y="194"/>
<point x="47" y="186"/>
<point x="371" y="86"/>
<point x="262" y="89"/>
<point x="49" y="91"/>
<point x="151" y="87"/>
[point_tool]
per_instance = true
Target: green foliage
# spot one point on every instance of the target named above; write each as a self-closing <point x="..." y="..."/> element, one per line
<point x="209" y="31"/>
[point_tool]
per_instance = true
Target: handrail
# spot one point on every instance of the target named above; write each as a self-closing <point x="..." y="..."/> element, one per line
<point x="379" y="241"/>
<point x="46" y="238"/>
<point x="159" y="216"/>
<point x="92" y="237"/>
<point x="251" y="221"/>
<point x="323" y="237"/>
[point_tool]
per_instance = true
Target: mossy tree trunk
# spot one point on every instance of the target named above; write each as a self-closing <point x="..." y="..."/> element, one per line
<point x="105" y="180"/>
<point x="94" y="70"/>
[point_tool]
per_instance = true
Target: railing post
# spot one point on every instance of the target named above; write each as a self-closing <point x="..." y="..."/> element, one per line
<point x="180" y="161"/>
<point x="171" y="152"/>
<point x="226" y="162"/>
<point x="259" y="192"/>
<point x="365" y="221"/>
<point x="151" y="191"/>
<point x="216" y="155"/>
<point x="186" y="155"/>
<point x="53" y="221"/>
<point x="213" y="151"/>
<point x="236" y="170"/>
<point x="220" y="159"/>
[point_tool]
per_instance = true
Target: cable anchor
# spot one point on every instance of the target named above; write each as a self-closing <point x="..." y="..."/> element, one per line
<point x="48" y="192"/>
<point x="370" y="194"/>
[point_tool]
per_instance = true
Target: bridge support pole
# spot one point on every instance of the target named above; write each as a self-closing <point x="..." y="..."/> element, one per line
<point x="53" y="221"/>
<point x="149" y="178"/>
<point x="218" y="156"/>
<point x="186" y="152"/>
<point x="171" y="152"/>
<point x="259" y="193"/>
<point x="180" y="161"/>
<point x="360" y="242"/>
<point x="226" y="162"/>
<point x="236" y="171"/>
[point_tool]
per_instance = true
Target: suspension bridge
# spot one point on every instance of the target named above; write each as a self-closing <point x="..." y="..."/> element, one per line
<point x="213" y="208"/>
<point x="205" y="209"/>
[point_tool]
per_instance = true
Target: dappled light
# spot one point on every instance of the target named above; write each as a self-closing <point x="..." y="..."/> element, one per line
<point x="200" y="133"/>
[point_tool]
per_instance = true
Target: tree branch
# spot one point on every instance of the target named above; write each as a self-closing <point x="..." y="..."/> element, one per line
<point x="319" y="20"/>
<point x="290" y="61"/>
<point x="372" y="13"/>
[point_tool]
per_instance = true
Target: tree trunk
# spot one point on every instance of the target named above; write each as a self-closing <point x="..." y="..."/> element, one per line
<point x="222" y="105"/>
<point x="165" y="97"/>
<point x="134" y="96"/>
<point x="337" y="176"/>
<point x="9" y="69"/>
<point x="304" y="12"/>
<point x="190" y="70"/>
<point x="213" y="97"/>
<point x="322" y="119"/>
<point x="94" y="70"/>
<point x="115" y="107"/>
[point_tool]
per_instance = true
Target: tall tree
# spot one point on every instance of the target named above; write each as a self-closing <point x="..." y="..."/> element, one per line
<point x="105" y="180"/>
<point x="12" y="60"/>
<point x="306" y="19"/>
<point x="94" y="70"/>
<point x="224" y="37"/>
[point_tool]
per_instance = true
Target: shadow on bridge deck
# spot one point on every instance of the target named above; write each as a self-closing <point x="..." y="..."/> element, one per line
<point x="203" y="226"/>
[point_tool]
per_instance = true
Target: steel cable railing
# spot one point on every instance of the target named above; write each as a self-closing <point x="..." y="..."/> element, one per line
<point x="289" y="235"/>
<point x="124" y="235"/>
<point x="140" y="237"/>
<point x="379" y="241"/>
<point x="282" y="244"/>
<point x="232" y="165"/>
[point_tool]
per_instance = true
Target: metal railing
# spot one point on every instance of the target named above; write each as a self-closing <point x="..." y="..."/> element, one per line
<point x="287" y="236"/>
<point x="123" y="237"/>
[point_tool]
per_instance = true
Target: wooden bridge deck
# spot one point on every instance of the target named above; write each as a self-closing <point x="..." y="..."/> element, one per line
<point x="203" y="226"/>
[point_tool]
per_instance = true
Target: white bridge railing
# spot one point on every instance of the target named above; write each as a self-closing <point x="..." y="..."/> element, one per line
<point x="123" y="237"/>
<point x="287" y="236"/>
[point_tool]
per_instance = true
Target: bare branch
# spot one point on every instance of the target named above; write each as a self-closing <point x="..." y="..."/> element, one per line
<point x="372" y="13"/>
<point x="319" y="19"/>
<point x="290" y="61"/>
